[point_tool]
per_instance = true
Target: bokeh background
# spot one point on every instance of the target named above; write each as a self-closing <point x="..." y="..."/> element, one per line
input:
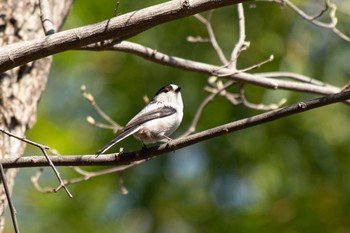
<point x="289" y="176"/>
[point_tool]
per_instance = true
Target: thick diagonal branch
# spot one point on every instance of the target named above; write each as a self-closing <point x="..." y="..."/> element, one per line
<point x="119" y="28"/>
<point x="129" y="157"/>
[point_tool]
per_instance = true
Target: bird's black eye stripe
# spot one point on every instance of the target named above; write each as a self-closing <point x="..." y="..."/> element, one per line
<point x="167" y="89"/>
<point x="164" y="89"/>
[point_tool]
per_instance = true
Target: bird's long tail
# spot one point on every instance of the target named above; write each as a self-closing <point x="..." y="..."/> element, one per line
<point x="120" y="137"/>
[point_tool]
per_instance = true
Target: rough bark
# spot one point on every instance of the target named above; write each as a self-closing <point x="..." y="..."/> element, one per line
<point x="22" y="87"/>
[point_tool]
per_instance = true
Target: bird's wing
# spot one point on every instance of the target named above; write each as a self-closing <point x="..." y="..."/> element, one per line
<point x="135" y="124"/>
<point x="149" y="114"/>
<point x="120" y="137"/>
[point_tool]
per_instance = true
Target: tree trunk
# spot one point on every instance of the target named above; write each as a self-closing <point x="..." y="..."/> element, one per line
<point x="22" y="87"/>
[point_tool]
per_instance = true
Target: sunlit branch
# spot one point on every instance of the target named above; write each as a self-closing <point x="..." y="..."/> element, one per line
<point x="260" y="107"/>
<point x="43" y="149"/>
<point x="195" y="66"/>
<point x="119" y="28"/>
<point x="9" y="199"/>
<point x="126" y="158"/>
<point x="85" y="175"/>
<point x="241" y="45"/>
<point x="313" y="19"/>
<point x="293" y="76"/>
<point x="192" y="128"/>
<point x="90" y="98"/>
<point x="45" y="15"/>
<point x="212" y="37"/>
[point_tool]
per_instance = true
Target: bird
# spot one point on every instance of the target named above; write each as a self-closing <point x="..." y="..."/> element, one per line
<point x="156" y="121"/>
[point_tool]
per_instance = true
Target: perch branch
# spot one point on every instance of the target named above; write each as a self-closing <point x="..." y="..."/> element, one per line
<point x="126" y="158"/>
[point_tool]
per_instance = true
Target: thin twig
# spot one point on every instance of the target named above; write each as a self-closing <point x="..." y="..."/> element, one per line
<point x="241" y="44"/>
<point x="212" y="37"/>
<point x="92" y="122"/>
<point x="123" y="189"/>
<point x="310" y="18"/>
<point x="89" y="97"/>
<point x="9" y="199"/>
<point x="85" y="175"/>
<point x="324" y="10"/>
<point x="260" y="107"/>
<point x="197" y="39"/>
<point x="341" y="34"/>
<point x="43" y="149"/>
<point x="291" y="75"/>
<point x="192" y="128"/>
<point x="313" y="19"/>
<point x="258" y="65"/>
<point x="116" y="9"/>
<point x="45" y="15"/>
<point x="240" y="98"/>
<point x="255" y="66"/>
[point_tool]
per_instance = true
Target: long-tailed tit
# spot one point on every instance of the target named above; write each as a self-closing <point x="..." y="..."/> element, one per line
<point x="156" y="121"/>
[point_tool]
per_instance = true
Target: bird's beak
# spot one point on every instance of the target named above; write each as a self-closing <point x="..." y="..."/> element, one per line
<point x="178" y="89"/>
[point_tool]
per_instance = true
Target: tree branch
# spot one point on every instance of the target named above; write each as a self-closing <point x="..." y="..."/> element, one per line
<point x="9" y="199"/>
<point x="45" y="15"/>
<point x="125" y="158"/>
<point x="212" y="37"/>
<point x="185" y="64"/>
<point x="242" y="44"/>
<point x="313" y="19"/>
<point x="46" y="156"/>
<point x="118" y="28"/>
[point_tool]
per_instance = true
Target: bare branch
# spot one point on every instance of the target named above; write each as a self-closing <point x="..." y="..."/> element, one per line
<point x="172" y="61"/>
<point x="92" y="122"/>
<point x="192" y="128"/>
<point x="212" y="37"/>
<point x="258" y="65"/>
<point x="241" y="44"/>
<point x="45" y="16"/>
<point x="313" y="19"/>
<point x="43" y="149"/>
<point x="197" y="39"/>
<point x="341" y="34"/>
<point x="260" y="107"/>
<point x="118" y="28"/>
<point x="291" y="75"/>
<point x="127" y="158"/>
<point x="9" y="199"/>
<point x="90" y="98"/>
<point x="324" y="10"/>
<point x="240" y="98"/>
<point x="85" y="175"/>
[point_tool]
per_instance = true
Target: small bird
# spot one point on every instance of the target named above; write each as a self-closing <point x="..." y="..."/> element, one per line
<point x="156" y="121"/>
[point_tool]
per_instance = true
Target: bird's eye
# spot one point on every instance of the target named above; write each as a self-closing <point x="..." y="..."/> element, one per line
<point x="166" y="90"/>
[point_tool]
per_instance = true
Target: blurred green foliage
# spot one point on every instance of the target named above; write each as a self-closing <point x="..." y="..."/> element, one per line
<point x="291" y="175"/>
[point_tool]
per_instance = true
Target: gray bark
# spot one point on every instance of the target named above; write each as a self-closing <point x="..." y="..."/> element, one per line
<point x="22" y="87"/>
